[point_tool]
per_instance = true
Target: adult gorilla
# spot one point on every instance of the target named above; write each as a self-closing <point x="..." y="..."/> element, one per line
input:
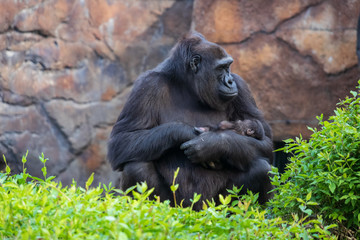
<point x="154" y="134"/>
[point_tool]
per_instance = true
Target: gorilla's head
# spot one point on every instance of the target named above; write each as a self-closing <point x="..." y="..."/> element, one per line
<point x="205" y="67"/>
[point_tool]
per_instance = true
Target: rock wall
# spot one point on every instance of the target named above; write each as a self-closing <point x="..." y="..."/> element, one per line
<point x="66" y="67"/>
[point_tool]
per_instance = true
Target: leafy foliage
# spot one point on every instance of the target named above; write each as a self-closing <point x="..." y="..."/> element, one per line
<point x="34" y="208"/>
<point x="323" y="176"/>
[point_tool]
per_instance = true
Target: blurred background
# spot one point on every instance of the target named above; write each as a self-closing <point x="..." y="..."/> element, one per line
<point x="66" y="68"/>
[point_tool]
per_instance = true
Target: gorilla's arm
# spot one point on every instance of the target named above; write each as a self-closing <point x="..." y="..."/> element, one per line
<point x="145" y="145"/>
<point x="236" y="150"/>
<point x="137" y="136"/>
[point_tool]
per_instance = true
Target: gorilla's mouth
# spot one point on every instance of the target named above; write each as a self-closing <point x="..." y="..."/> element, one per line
<point x="229" y="94"/>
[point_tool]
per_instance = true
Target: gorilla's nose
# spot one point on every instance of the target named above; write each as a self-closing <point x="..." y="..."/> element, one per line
<point x="229" y="82"/>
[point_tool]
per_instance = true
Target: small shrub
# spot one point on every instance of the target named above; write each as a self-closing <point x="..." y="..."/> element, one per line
<point x="323" y="176"/>
<point x="34" y="208"/>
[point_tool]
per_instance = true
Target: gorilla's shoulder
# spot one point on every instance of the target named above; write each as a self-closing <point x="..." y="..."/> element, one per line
<point x="151" y="80"/>
<point x="152" y="86"/>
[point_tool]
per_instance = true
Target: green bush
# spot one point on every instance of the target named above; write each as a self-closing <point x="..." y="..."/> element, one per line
<point x="323" y="176"/>
<point x="33" y="208"/>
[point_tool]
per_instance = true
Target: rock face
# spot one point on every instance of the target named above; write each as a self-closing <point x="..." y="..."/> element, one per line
<point x="66" y="67"/>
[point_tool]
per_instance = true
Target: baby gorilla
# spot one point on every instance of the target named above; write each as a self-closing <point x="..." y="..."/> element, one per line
<point x="251" y="128"/>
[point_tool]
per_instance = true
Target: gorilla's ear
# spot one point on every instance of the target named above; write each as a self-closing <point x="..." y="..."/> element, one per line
<point x="195" y="62"/>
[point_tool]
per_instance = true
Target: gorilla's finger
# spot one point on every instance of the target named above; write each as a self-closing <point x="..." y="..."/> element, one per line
<point x="199" y="130"/>
<point x="186" y="145"/>
<point x="189" y="151"/>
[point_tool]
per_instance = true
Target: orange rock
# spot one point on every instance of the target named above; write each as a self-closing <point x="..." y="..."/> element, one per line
<point x="321" y="32"/>
<point x="234" y="21"/>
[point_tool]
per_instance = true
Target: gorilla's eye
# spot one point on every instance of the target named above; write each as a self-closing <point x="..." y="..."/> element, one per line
<point x="224" y="64"/>
<point x="227" y="68"/>
<point x="223" y="67"/>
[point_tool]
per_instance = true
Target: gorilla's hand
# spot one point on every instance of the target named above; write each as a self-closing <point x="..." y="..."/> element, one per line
<point x="203" y="148"/>
<point x="179" y="132"/>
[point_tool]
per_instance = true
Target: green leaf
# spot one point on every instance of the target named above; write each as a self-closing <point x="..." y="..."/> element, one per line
<point x="8" y="170"/>
<point x="332" y="187"/>
<point x="50" y="178"/>
<point x="10" y="184"/>
<point x="308" y="196"/>
<point x="142" y="187"/>
<point x="89" y="181"/>
<point x="23" y="159"/>
<point x="221" y="198"/>
<point x="312" y="203"/>
<point x="136" y="195"/>
<point x="42" y="158"/>
<point x="331" y="226"/>
<point x="196" y="198"/>
<point x="174" y="187"/>
<point x="226" y="200"/>
<point x="44" y="171"/>
<point x="300" y="200"/>
<point x="353" y="93"/>
<point x="176" y="172"/>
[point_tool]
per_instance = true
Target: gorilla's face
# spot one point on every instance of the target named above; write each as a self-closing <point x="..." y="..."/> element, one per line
<point x="210" y="66"/>
<point x="226" y="87"/>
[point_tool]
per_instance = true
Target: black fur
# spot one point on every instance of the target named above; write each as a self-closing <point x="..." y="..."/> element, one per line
<point x="154" y="134"/>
